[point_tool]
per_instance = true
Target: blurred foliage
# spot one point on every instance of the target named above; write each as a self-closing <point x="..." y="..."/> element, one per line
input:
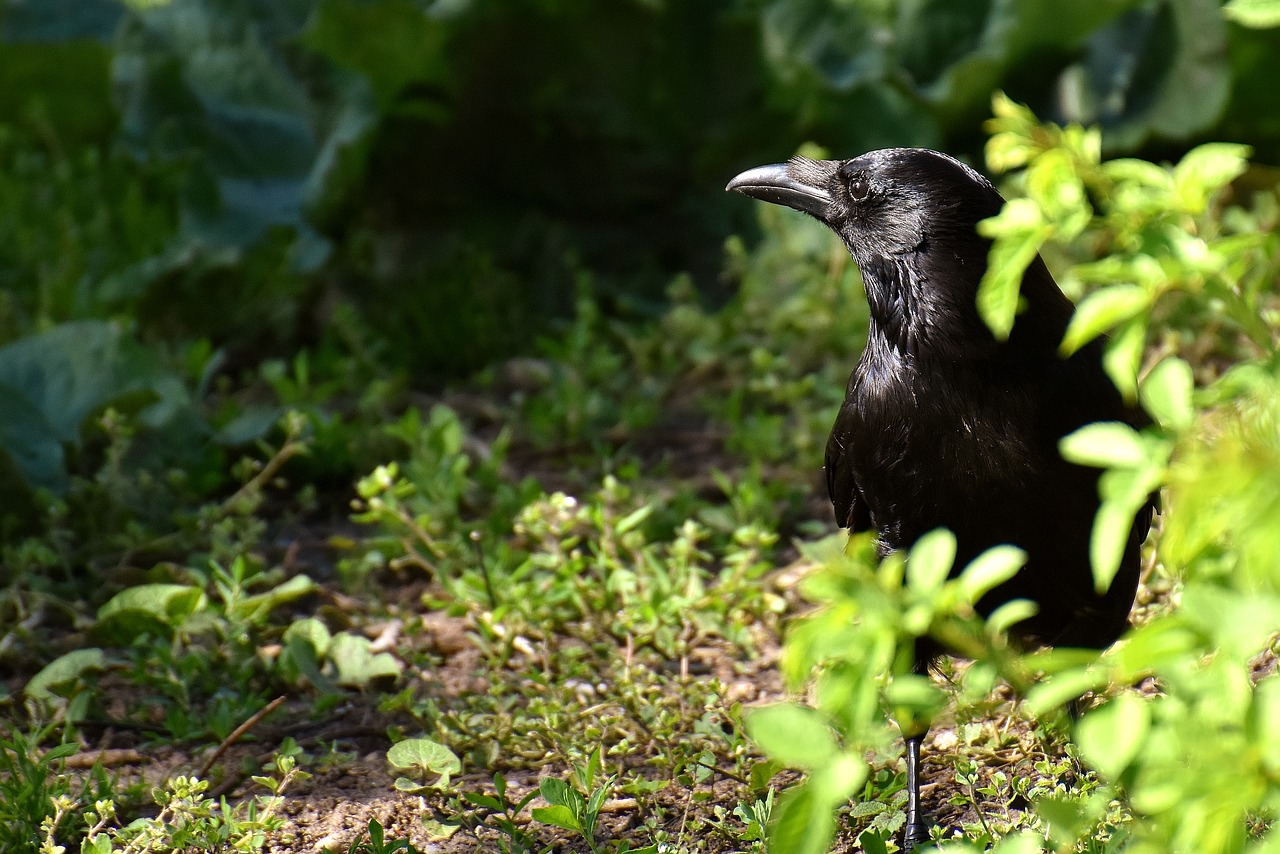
<point x="419" y="185"/>
<point x="450" y="165"/>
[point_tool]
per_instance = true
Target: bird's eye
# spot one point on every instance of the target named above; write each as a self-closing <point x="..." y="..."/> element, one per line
<point x="859" y="188"/>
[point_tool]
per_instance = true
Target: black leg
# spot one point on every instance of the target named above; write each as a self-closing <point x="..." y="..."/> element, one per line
<point x="916" y="830"/>
<point x="1073" y="709"/>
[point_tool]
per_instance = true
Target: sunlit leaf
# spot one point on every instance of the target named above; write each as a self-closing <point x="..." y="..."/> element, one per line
<point x="1207" y="168"/>
<point x="166" y="604"/>
<point x="358" y="664"/>
<point x="556" y="815"/>
<point x="988" y="570"/>
<point x="801" y="823"/>
<point x="796" y="735"/>
<point x="1111" y="532"/>
<point x="1259" y="14"/>
<point x="1104" y="444"/>
<point x="1019" y="233"/>
<point x="930" y="561"/>
<point x="1123" y="355"/>
<point x="1010" y="614"/>
<point x="1100" y="311"/>
<point x="1111" y="736"/>
<point x="1061" y="688"/>
<point x="1166" y="393"/>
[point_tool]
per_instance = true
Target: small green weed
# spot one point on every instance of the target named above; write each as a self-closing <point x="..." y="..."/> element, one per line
<point x="32" y="783"/>
<point x="188" y="819"/>
<point x="376" y="843"/>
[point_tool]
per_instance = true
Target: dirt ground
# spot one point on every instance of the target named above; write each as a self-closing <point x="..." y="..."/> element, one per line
<point x="352" y="784"/>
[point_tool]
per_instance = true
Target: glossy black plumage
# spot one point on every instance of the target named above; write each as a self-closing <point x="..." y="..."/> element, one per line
<point x="943" y="425"/>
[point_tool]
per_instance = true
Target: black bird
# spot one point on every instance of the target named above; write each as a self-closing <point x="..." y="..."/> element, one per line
<point x="944" y="425"/>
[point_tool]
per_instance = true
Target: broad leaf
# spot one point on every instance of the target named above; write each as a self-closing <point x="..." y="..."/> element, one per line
<point x="796" y="735"/>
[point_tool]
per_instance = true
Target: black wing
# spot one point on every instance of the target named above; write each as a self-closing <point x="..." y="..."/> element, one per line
<point x="842" y="486"/>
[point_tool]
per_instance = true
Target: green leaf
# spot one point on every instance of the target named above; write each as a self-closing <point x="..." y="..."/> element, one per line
<point x="413" y="787"/>
<point x="1010" y="614"/>
<point x="30" y="443"/>
<point x="1104" y="444"/>
<point x="1258" y="14"/>
<point x="1023" y="842"/>
<point x="56" y="64"/>
<point x="836" y="781"/>
<point x="423" y="758"/>
<point x="913" y="698"/>
<point x="1060" y="688"/>
<point x="1110" y="737"/>
<point x="634" y="519"/>
<point x="51" y="383"/>
<point x="392" y="44"/>
<point x="1206" y="169"/>
<point x="802" y="824"/>
<point x="1018" y="233"/>
<point x="1112" y="527"/>
<point x="557" y="816"/>
<point x="990" y="569"/>
<point x="306" y="643"/>
<point x="930" y="560"/>
<point x="254" y="607"/>
<point x="1166" y="394"/>
<point x="1267" y="716"/>
<point x="794" y="734"/>
<point x="1163" y="71"/>
<point x="357" y="664"/>
<point x="171" y="604"/>
<point x="556" y="791"/>
<point x="1239" y="623"/>
<point x="201" y="78"/>
<point x="64" y="670"/>
<point x="1100" y="311"/>
<point x="1052" y="181"/>
<point x="837" y="45"/>
<point x="1124" y="355"/>
<point x="872" y="842"/>
<point x="1151" y="647"/>
<point x="312" y="631"/>
<point x="480" y="799"/>
<point x="100" y="844"/>
<point x="1064" y="814"/>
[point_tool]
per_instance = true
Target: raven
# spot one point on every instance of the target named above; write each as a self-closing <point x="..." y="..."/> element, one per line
<point x="943" y="424"/>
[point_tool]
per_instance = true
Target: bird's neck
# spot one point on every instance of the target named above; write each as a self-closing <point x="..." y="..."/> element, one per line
<point x="914" y="319"/>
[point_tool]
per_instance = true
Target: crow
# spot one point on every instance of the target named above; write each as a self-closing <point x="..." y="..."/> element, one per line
<point x="945" y="425"/>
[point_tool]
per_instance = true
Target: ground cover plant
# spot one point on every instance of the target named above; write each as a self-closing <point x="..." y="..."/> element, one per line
<point x="301" y="546"/>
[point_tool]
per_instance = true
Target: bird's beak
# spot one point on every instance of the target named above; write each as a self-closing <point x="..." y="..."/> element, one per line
<point x="773" y="184"/>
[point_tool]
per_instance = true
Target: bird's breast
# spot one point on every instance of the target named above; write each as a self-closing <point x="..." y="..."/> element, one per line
<point x="926" y="446"/>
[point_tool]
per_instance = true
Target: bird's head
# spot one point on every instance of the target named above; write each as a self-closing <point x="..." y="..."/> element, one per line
<point x="909" y="218"/>
<point x="885" y="203"/>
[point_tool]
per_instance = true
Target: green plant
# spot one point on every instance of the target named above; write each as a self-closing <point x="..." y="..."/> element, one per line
<point x="376" y="843"/>
<point x="32" y="783"/>
<point x="182" y="646"/>
<point x="576" y="808"/>
<point x="499" y="813"/>
<point x="188" y="820"/>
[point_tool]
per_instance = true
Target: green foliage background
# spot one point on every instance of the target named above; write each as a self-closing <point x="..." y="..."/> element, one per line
<point x="416" y="186"/>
